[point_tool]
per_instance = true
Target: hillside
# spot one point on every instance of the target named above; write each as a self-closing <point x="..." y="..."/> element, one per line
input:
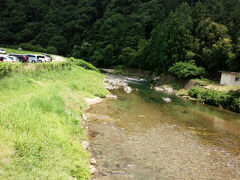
<point x="146" y="34"/>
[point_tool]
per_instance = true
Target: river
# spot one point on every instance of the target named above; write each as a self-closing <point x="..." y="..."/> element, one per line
<point x="139" y="136"/>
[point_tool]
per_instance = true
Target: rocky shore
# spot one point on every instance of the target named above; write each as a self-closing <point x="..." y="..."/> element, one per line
<point x="111" y="82"/>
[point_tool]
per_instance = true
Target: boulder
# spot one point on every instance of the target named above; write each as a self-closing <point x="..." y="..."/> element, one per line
<point x="111" y="96"/>
<point x="84" y="117"/>
<point x="93" y="161"/>
<point x="128" y="90"/>
<point x="91" y="101"/>
<point x="159" y="89"/>
<point x="168" y="90"/>
<point x="92" y="169"/>
<point x="167" y="100"/>
<point x="85" y="145"/>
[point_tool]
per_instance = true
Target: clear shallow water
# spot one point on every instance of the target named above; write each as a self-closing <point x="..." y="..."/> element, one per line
<point x="140" y="137"/>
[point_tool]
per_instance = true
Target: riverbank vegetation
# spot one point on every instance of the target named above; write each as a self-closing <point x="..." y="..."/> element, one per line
<point x="228" y="100"/>
<point x="40" y="122"/>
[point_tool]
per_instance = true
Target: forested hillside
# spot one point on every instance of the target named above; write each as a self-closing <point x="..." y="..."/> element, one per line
<point x="146" y="34"/>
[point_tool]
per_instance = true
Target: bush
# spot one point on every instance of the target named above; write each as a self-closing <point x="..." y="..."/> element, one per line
<point x="31" y="47"/>
<point x="84" y="64"/>
<point x="229" y="100"/>
<point x="51" y="50"/>
<point x="186" y="70"/>
<point x="208" y="96"/>
<point x="233" y="101"/>
<point x="6" y="68"/>
<point x="52" y="66"/>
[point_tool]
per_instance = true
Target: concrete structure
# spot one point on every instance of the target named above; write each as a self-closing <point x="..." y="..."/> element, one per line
<point x="230" y="78"/>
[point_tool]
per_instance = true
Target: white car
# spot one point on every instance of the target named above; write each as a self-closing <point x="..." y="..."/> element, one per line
<point x="44" y="58"/>
<point x="2" y="51"/>
<point x="48" y="58"/>
<point x="8" y="59"/>
<point x="14" y="58"/>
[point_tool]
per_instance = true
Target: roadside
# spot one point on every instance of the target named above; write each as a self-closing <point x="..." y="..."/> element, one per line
<point x="58" y="58"/>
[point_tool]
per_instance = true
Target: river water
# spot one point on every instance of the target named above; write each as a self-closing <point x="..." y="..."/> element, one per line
<point x="139" y="136"/>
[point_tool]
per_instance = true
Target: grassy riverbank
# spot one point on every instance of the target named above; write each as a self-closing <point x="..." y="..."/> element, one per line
<point x="40" y="124"/>
<point x="205" y="91"/>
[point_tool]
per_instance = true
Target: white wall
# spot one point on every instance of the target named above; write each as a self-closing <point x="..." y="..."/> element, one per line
<point x="229" y="79"/>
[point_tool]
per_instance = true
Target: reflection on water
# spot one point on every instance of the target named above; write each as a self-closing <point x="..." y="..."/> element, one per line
<point x="139" y="136"/>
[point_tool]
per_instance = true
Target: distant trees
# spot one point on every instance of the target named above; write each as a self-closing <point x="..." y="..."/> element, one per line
<point x="213" y="46"/>
<point x="146" y="34"/>
<point x="171" y="40"/>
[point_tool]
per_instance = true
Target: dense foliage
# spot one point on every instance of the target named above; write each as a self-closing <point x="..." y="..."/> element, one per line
<point x="229" y="100"/>
<point x="186" y="70"/>
<point x="146" y="34"/>
<point x="84" y="64"/>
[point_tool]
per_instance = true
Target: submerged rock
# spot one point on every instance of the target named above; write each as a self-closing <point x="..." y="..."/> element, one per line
<point x="167" y="100"/>
<point x="104" y="174"/>
<point x="92" y="169"/>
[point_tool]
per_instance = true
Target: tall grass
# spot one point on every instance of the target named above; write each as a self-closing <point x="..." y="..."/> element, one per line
<point x="40" y="124"/>
<point x="14" y="50"/>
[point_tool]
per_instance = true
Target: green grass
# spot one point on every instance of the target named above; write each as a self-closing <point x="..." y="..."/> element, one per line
<point x="10" y="50"/>
<point x="40" y="124"/>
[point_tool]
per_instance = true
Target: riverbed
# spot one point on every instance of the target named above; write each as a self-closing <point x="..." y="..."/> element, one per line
<point x="139" y="136"/>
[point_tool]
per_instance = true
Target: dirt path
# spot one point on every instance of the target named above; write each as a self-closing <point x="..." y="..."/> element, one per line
<point x="58" y="58"/>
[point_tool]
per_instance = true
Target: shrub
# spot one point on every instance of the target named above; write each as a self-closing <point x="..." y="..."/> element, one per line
<point x="233" y="101"/>
<point x="52" y="66"/>
<point x="186" y="70"/>
<point x="209" y="96"/>
<point x="6" y="68"/>
<point x="84" y="64"/>
<point x="229" y="100"/>
<point x="51" y="50"/>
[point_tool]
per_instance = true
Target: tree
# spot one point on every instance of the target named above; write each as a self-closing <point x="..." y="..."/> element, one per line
<point x="60" y="43"/>
<point x="188" y="70"/>
<point x="171" y="40"/>
<point x="213" y="46"/>
<point x="127" y="55"/>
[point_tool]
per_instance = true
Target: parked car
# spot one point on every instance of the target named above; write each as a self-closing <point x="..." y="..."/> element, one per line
<point x="44" y="58"/>
<point x="32" y="58"/>
<point x="2" y="51"/>
<point x="49" y="58"/>
<point x="21" y="57"/>
<point x="14" y="58"/>
<point x="8" y="59"/>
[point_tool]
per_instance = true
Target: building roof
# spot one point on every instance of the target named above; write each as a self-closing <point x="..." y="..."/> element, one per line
<point x="228" y="72"/>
